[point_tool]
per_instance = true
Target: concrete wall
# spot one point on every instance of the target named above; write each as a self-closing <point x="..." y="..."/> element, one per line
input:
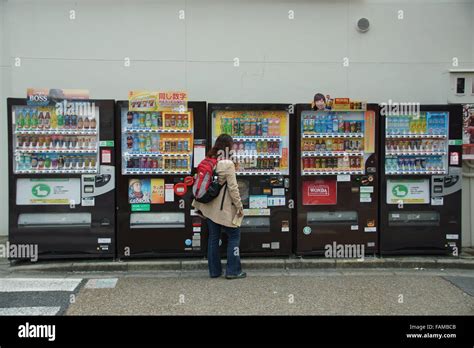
<point x="281" y="59"/>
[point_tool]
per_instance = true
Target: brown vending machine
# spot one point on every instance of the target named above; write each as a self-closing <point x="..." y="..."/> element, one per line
<point x="62" y="174"/>
<point x="262" y="154"/>
<point x="337" y="185"/>
<point x="154" y="172"/>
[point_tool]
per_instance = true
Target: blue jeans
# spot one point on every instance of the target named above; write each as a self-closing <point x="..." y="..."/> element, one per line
<point x="213" y="250"/>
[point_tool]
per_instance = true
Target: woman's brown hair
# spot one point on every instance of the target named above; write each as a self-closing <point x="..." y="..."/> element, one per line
<point x="223" y="142"/>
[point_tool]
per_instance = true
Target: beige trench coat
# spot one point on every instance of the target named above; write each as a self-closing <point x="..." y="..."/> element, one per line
<point x="225" y="170"/>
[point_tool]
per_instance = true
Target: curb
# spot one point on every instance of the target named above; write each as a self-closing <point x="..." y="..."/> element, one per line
<point x="251" y="264"/>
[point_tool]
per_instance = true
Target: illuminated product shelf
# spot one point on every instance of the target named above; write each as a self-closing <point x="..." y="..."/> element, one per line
<point x="332" y="135"/>
<point x="415" y="153"/>
<point x="332" y="172"/>
<point x="57" y="132"/>
<point x="331" y="154"/>
<point x="418" y="172"/>
<point x="257" y="156"/>
<point x="166" y="172"/>
<point x="57" y="171"/>
<point x="255" y="138"/>
<point x="415" y="136"/>
<point x="259" y="172"/>
<point x="46" y="150"/>
<point x="154" y="130"/>
<point x="156" y="154"/>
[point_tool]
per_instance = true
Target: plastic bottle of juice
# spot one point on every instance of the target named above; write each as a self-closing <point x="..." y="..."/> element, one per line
<point x="185" y="121"/>
<point x="27" y="119"/>
<point x="21" y="120"/>
<point x="34" y="119"/>
<point x="154" y="120"/>
<point x="148" y="122"/>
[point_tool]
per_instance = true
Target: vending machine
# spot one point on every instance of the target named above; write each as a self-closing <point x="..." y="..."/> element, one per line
<point x="337" y="177"/>
<point x="158" y="153"/>
<point x="262" y="153"/>
<point x="420" y="204"/>
<point x="62" y="177"/>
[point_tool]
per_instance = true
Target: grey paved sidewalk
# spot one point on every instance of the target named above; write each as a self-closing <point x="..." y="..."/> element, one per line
<point x="277" y="294"/>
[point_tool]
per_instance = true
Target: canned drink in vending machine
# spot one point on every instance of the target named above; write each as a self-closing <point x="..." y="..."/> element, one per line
<point x="306" y="163"/>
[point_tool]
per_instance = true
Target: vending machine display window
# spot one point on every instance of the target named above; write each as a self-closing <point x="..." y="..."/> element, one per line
<point x="157" y="142"/>
<point x="335" y="142"/>
<point x="260" y="140"/>
<point x="49" y="141"/>
<point x="417" y="144"/>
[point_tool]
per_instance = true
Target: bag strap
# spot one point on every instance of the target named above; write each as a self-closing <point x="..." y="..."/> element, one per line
<point x="223" y="196"/>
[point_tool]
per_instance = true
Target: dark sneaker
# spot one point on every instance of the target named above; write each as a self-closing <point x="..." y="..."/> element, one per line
<point x="237" y="276"/>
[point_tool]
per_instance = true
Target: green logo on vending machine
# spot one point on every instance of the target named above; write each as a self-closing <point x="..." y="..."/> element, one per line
<point x="41" y="190"/>
<point x="400" y="191"/>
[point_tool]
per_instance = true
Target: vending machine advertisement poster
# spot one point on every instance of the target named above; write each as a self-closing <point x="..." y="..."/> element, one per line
<point x="320" y="192"/>
<point x="139" y="191"/>
<point x="48" y="191"/>
<point x="157" y="191"/>
<point x="369" y="136"/>
<point x="468" y="132"/>
<point x="158" y="101"/>
<point x="416" y="191"/>
<point x="258" y="202"/>
<point x="43" y="96"/>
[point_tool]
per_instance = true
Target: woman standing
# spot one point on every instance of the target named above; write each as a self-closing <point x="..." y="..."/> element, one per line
<point x="222" y="211"/>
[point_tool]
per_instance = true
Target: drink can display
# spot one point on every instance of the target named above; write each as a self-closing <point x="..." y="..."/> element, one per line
<point x="129" y="142"/>
<point x="323" y="163"/>
<point x="148" y="122"/>
<point x="347" y="127"/>
<point x="47" y="162"/>
<point x="40" y="162"/>
<point x="73" y="121"/>
<point x="28" y="161"/>
<point x="34" y="161"/>
<point x="353" y="127"/>
<point x="417" y="164"/>
<point x="60" y="162"/>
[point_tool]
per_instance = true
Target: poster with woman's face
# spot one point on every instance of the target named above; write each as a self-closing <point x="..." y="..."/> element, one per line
<point x="468" y="135"/>
<point x="139" y="191"/>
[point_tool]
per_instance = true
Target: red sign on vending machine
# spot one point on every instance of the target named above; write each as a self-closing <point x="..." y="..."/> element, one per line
<point x="320" y="192"/>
